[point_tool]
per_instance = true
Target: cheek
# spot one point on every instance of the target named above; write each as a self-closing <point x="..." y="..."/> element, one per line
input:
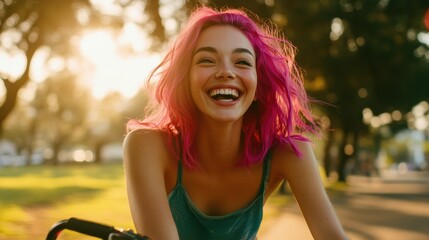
<point x="252" y="82"/>
<point x="197" y="78"/>
<point x="196" y="84"/>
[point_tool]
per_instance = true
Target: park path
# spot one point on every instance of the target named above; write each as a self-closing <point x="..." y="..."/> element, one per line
<point x="392" y="207"/>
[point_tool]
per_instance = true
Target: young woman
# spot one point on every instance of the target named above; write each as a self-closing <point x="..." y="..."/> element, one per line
<point x="225" y="129"/>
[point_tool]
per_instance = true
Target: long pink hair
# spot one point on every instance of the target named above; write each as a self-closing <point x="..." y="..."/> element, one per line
<point x="280" y="113"/>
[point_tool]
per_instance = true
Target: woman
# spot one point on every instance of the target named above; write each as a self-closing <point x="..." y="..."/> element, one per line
<point x="225" y="129"/>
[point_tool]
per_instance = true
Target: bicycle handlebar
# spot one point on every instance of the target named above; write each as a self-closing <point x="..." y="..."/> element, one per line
<point x="93" y="229"/>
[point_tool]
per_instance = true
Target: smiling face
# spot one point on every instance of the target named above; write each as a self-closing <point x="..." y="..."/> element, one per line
<point x="223" y="75"/>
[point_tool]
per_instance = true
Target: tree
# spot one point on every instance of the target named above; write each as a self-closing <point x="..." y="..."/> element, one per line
<point x="26" y="26"/>
<point x="63" y="110"/>
<point x="106" y="123"/>
<point x="372" y="63"/>
<point x="53" y="26"/>
<point x="21" y="128"/>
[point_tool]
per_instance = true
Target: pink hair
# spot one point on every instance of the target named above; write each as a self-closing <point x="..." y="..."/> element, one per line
<point x="279" y="114"/>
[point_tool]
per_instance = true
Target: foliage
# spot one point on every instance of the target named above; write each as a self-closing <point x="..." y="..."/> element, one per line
<point x="59" y="109"/>
<point x="33" y="24"/>
<point x="27" y="26"/>
<point x="63" y="111"/>
<point x="106" y="123"/>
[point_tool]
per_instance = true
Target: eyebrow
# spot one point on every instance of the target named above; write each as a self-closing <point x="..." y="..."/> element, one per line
<point x="213" y="50"/>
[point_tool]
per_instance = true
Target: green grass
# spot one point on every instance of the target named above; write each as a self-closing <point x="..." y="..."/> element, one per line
<point x="33" y="198"/>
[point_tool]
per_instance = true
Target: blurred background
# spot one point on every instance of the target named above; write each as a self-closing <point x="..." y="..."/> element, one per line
<point x="72" y="74"/>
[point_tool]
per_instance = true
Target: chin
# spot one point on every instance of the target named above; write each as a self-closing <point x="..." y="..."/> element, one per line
<point x="227" y="119"/>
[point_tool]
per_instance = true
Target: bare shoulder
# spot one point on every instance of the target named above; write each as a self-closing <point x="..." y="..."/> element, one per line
<point x="142" y="137"/>
<point x="145" y="145"/>
<point x="286" y="161"/>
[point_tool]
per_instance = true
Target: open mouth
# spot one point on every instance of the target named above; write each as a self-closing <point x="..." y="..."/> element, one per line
<point x="224" y="94"/>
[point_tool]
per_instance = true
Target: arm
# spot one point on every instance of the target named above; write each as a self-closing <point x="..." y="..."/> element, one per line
<point x="145" y="159"/>
<point x="307" y="187"/>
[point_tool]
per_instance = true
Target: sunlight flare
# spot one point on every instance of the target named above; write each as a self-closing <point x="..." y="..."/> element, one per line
<point x="114" y="67"/>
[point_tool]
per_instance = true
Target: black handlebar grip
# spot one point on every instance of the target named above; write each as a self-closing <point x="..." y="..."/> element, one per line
<point x="90" y="228"/>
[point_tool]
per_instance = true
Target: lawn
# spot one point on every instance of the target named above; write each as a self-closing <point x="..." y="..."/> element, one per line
<point x="33" y="198"/>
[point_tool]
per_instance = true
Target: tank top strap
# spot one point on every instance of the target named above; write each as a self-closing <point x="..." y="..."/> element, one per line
<point x="180" y="162"/>
<point x="179" y="172"/>
<point x="266" y="172"/>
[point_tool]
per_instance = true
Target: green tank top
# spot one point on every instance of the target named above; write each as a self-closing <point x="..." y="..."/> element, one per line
<point x="191" y="223"/>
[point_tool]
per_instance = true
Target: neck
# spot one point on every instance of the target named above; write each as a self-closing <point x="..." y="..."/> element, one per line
<point x="219" y="146"/>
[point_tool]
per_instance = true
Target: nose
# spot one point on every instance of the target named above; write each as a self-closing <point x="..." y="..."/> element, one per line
<point x="225" y="72"/>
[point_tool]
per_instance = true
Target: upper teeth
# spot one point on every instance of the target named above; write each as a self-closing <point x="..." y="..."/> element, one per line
<point x="225" y="91"/>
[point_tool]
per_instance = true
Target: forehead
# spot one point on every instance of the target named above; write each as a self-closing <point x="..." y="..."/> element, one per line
<point x="224" y="37"/>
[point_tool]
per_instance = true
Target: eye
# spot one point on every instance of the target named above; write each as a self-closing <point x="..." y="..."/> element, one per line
<point x="244" y="62"/>
<point x="204" y="61"/>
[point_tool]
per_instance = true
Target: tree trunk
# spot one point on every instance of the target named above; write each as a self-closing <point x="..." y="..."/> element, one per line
<point x="30" y="141"/>
<point x="327" y="158"/>
<point x="12" y="88"/>
<point x="343" y="157"/>
<point x="98" y="158"/>
<point x="56" y="147"/>
<point x="9" y="103"/>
